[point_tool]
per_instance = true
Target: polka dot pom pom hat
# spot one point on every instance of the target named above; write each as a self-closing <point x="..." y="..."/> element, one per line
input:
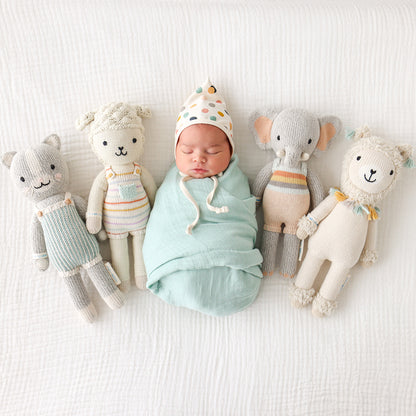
<point x="205" y="106"/>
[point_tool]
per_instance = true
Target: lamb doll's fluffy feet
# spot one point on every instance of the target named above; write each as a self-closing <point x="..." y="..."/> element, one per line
<point x="323" y="307"/>
<point x="141" y="282"/>
<point x="89" y="313"/>
<point x="300" y="297"/>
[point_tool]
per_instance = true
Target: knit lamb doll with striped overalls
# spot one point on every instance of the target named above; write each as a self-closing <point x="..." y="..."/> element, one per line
<point x="59" y="234"/>
<point x="122" y="194"/>
<point x="343" y="227"/>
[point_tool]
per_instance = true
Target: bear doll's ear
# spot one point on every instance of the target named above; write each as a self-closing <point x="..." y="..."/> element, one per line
<point x="260" y="124"/>
<point x="54" y="141"/>
<point x="406" y="152"/>
<point x="7" y="159"/>
<point x="143" y="111"/>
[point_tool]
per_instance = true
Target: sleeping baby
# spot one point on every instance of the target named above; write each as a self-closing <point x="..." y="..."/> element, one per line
<point x="199" y="246"/>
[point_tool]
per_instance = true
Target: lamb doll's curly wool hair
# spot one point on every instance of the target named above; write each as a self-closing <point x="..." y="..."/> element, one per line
<point x="113" y="116"/>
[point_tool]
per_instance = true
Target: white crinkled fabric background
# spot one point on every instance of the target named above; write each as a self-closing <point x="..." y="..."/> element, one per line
<point x="355" y="59"/>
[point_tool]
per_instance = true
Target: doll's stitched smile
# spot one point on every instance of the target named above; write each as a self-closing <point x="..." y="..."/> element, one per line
<point x="121" y="152"/>
<point x="42" y="184"/>
<point x="372" y="172"/>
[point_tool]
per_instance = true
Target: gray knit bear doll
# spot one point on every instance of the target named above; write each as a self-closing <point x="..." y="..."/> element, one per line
<point x="59" y="234"/>
<point x="287" y="186"/>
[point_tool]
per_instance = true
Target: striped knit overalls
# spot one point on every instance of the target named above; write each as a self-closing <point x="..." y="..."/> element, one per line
<point x="68" y="243"/>
<point x="286" y="198"/>
<point x="126" y="206"/>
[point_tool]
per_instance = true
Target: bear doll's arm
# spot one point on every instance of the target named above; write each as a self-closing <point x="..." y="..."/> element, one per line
<point x="80" y="205"/>
<point x="369" y="254"/>
<point x="40" y="255"/>
<point x="95" y="203"/>
<point x="316" y="188"/>
<point x="149" y="185"/>
<point x="261" y="181"/>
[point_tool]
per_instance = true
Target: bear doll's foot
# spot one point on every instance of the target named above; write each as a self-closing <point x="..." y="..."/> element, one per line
<point x="300" y="297"/>
<point x="323" y="307"/>
<point x="124" y="286"/>
<point x="141" y="282"/>
<point x="89" y="313"/>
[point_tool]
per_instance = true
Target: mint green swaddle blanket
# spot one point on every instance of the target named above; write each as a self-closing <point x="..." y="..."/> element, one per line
<point x="216" y="269"/>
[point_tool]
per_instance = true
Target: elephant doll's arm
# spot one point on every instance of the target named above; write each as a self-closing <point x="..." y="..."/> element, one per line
<point x="316" y="188"/>
<point x="369" y="254"/>
<point x="40" y="255"/>
<point x="261" y="181"/>
<point x="95" y="203"/>
<point x="149" y="185"/>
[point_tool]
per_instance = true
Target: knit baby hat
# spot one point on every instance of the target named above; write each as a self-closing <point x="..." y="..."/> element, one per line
<point x="205" y="106"/>
<point x="113" y="116"/>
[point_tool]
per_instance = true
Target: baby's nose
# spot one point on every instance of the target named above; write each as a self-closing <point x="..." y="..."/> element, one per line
<point x="199" y="158"/>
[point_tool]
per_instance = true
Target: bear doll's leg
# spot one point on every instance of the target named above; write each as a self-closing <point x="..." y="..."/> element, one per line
<point x="302" y="292"/>
<point x="79" y="296"/>
<point x="105" y="285"/>
<point x="139" y="269"/>
<point x="269" y="251"/>
<point x="290" y="254"/>
<point x="120" y="261"/>
<point x="325" y="301"/>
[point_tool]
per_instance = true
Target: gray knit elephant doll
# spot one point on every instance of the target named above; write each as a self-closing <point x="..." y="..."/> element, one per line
<point x="59" y="234"/>
<point x="287" y="186"/>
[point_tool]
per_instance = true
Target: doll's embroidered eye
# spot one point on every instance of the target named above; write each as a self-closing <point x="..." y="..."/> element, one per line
<point x="278" y="137"/>
<point x="105" y="142"/>
<point x="391" y="172"/>
<point x="52" y="167"/>
<point x="134" y="140"/>
<point x="309" y="141"/>
<point x="22" y="178"/>
<point x="358" y="157"/>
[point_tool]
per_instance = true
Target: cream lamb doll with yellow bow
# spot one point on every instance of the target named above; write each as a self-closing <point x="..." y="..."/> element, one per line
<point x="122" y="194"/>
<point x="343" y="227"/>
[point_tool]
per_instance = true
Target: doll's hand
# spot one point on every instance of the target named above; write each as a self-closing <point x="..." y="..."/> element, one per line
<point x="42" y="264"/>
<point x="368" y="257"/>
<point x="306" y="227"/>
<point x="93" y="224"/>
<point x="102" y="235"/>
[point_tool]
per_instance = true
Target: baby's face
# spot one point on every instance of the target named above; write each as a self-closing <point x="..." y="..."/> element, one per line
<point x="202" y="151"/>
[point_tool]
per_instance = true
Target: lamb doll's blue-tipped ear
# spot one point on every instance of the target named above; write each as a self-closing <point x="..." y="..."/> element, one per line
<point x="357" y="134"/>
<point x="406" y="152"/>
<point x="260" y="124"/>
<point x="7" y="159"/>
<point x="54" y="141"/>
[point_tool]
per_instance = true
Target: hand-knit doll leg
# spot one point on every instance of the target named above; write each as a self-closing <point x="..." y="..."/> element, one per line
<point x="290" y="255"/>
<point x="120" y="261"/>
<point x="80" y="297"/>
<point x="139" y="269"/>
<point x="325" y="301"/>
<point x="105" y="285"/>
<point x="302" y="292"/>
<point x="269" y="251"/>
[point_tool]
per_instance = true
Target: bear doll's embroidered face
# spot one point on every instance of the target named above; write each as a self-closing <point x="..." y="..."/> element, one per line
<point x="40" y="171"/>
<point x="118" y="147"/>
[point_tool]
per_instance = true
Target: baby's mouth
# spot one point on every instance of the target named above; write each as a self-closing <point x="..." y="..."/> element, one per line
<point x="121" y="153"/>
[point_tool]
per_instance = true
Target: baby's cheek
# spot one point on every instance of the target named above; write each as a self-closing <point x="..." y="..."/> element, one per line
<point x="58" y="176"/>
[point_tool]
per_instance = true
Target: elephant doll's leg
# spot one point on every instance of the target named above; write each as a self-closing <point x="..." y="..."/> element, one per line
<point x="105" y="285"/>
<point x="302" y="292"/>
<point x="139" y="269"/>
<point x="120" y="261"/>
<point x="325" y="301"/>
<point x="79" y="296"/>
<point x="290" y="254"/>
<point x="269" y="251"/>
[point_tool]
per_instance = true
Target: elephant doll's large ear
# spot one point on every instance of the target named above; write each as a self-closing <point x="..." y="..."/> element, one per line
<point x="330" y="127"/>
<point x="260" y="124"/>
